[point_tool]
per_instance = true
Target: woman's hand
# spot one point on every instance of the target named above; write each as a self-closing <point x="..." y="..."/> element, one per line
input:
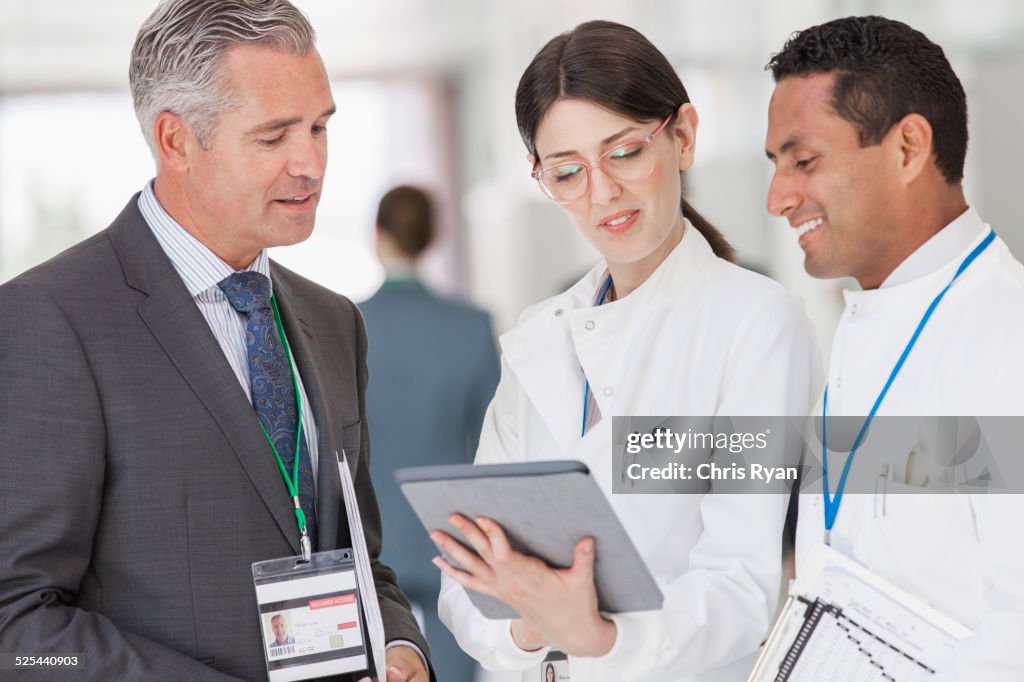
<point x="559" y="605"/>
<point x="526" y="637"/>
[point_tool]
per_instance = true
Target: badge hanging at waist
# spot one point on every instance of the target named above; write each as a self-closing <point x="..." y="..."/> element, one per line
<point x="310" y="616"/>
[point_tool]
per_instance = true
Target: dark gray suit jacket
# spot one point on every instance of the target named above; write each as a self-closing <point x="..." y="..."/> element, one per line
<point x="136" y="486"/>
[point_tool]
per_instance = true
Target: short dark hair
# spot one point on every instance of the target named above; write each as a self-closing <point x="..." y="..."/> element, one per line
<point x="884" y="70"/>
<point x="407" y="214"/>
<point x="618" y="69"/>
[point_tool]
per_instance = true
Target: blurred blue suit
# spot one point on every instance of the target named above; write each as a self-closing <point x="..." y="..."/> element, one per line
<point x="433" y="370"/>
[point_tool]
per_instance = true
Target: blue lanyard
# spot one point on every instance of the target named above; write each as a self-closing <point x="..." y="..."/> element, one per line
<point x="586" y="382"/>
<point x="832" y="503"/>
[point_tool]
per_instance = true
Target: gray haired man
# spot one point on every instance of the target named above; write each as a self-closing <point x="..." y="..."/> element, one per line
<point x="136" y="484"/>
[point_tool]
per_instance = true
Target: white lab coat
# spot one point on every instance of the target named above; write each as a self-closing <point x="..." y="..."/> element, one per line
<point x="963" y="554"/>
<point x="700" y="337"/>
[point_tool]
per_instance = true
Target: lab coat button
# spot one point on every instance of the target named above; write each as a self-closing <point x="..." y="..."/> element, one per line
<point x="589" y="325"/>
<point x="558" y="313"/>
<point x="853" y="309"/>
<point x="839" y="382"/>
<point x="608" y="390"/>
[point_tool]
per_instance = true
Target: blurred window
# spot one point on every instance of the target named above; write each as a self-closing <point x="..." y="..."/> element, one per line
<point x="70" y="161"/>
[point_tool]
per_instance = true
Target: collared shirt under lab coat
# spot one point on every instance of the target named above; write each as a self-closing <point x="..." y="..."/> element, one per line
<point x="963" y="554"/>
<point x="700" y="337"/>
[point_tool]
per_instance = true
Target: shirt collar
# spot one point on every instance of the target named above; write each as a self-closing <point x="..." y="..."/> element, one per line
<point x="943" y="247"/>
<point x="199" y="267"/>
<point x="399" y="271"/>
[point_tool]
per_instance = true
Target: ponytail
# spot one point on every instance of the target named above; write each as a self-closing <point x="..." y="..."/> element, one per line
<point x="722" y="248"/>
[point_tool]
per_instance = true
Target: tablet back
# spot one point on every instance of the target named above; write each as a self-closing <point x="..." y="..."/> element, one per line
<point x="545" y="509"/>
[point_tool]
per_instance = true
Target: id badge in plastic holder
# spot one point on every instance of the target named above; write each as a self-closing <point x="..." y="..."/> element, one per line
<point x="310" y="616"/>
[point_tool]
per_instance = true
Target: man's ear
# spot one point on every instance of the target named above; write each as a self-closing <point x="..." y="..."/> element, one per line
<point x="912" y="145"/>
<point x="684" y="130"/>
<point x="174" y="141"/>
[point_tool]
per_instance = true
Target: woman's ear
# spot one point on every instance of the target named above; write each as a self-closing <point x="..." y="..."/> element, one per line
<point x="684" y="131"/>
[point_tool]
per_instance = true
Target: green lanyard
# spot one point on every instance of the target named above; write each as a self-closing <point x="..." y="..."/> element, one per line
<point x="291" y="482"/>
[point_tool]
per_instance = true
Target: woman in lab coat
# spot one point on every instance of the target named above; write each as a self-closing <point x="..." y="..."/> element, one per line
<point x="665" y="324"/>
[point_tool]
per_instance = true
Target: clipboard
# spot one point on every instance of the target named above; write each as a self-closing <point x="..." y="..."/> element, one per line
<point x="545" y="508"/>
<point x="844" y="623"/>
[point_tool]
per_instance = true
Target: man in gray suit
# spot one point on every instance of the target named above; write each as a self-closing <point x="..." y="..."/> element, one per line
<point x="433" y="370"/>
<point x="136" y="484"/>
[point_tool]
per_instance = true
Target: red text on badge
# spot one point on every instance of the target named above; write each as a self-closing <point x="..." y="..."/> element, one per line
<point x="332" y="601"/>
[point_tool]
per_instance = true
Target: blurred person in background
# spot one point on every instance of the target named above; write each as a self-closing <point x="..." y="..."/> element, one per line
<point x="664" y="324"/>
<point x="433" y="369"/>
<point x="867" y="128"/>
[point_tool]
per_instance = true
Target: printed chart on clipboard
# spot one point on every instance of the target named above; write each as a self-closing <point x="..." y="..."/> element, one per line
<point x="843" y="623"/>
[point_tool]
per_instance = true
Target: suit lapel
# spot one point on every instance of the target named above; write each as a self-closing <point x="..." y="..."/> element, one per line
<point x="177" y="325"/>
<point x="306" y="350"/>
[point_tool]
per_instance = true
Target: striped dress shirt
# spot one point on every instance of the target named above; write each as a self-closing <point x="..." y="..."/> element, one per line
<point x="201" y="269"/>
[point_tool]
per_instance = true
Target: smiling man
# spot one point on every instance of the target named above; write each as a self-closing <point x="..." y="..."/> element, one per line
<point x="172" y="403"/>
<point x="867" y="129"/>
<point x="280" y="628"/>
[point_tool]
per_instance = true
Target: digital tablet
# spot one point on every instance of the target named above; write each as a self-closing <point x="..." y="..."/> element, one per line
<point x="545" y="509"/>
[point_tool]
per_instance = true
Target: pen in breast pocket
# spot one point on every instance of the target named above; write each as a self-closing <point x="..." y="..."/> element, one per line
<point x="882" y="482"/>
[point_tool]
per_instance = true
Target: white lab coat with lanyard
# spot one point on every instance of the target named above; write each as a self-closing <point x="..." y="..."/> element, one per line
<point x="963" y="554"/>
<point x="700" y="337"/>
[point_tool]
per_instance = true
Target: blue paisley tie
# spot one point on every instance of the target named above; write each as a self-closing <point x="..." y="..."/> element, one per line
<point x="270" y="379"/>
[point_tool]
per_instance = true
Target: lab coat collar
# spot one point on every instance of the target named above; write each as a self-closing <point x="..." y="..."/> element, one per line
<point x="943" y="247"/>
<point x="682" y="268"/>
<point x="929" y="268"/>
<point x="558" y="337"/>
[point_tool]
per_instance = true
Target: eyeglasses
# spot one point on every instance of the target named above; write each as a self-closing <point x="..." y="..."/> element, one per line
<point x="628" y="162"/>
